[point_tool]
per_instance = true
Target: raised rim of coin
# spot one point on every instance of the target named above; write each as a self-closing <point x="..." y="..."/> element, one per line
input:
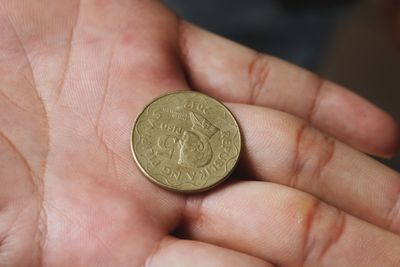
<point x="174" y="189"/>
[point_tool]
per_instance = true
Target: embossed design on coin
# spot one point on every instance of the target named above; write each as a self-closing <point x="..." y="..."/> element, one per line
<point x="186" y="141"/>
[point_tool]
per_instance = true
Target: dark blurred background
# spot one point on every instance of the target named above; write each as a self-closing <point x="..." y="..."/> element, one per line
<point x="347" y="41"/>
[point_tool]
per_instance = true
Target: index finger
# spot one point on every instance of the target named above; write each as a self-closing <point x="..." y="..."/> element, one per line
<point x="234" y="73"/>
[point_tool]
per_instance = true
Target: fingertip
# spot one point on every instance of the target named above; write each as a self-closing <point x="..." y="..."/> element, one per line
<point x="388" y="146"/>
<point x="357" y="122"/>
<point x="377" y="130"/>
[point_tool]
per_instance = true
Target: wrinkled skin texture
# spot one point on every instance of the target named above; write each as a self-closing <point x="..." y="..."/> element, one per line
<point x="75" y="74"/>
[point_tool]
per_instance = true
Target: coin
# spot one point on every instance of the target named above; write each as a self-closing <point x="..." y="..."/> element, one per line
<point x="186" y="141"/>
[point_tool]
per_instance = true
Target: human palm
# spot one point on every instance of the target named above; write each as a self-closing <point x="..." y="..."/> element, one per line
<point x="73" y="77"/>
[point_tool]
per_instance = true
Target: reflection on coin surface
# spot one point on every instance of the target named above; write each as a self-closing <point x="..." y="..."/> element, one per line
<point x="186" y="141"/>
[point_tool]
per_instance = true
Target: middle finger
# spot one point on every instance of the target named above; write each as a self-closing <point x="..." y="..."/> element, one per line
<point x="287" y="228"/>
<point x="284" y="149"/>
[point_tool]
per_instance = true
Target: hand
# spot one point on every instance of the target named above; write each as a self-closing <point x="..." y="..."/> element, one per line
<point x="73" y="77"/>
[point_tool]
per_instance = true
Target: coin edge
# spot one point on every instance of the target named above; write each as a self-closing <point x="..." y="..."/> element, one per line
<point x="153" y="180"/>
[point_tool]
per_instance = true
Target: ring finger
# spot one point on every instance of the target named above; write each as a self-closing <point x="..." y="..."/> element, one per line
<point x="287" y="227"/>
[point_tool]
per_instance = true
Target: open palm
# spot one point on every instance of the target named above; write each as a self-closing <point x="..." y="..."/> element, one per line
<point x="73" y="77"/>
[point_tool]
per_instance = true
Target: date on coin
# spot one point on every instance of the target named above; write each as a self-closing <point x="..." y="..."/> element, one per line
<point x="186" y="142"/>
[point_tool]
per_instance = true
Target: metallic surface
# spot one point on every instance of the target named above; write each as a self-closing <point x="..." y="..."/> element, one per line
<point x="186" y="142"/>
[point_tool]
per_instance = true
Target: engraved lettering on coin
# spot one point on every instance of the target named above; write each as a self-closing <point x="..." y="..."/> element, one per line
<point x="195" y="147"/>
<point x="186" y="141"/>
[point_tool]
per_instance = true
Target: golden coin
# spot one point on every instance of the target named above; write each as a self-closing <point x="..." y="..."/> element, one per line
<point x="186" y="141"/>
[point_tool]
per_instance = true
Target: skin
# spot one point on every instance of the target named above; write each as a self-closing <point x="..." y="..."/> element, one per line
<point x="73" y="77"/>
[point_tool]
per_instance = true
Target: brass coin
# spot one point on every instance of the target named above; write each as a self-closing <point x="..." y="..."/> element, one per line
<point x="186" y="142"/>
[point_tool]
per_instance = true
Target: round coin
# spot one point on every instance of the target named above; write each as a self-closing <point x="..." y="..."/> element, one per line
<point x="186" y="142"/>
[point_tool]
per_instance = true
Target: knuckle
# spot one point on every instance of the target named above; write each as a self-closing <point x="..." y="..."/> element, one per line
<point x="324" y="227"/>
<point x="258" y="72"/>
<point x="393" y="215"/>
<point x="312" y="153"/>
<point x="314" y="106"/>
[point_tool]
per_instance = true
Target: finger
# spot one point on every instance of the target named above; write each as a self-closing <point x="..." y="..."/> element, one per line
<point x="237" y="74"/>
<point x="287" y="228"/>
<point x="173" y="252"/>
<point x="284" y="149"/>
